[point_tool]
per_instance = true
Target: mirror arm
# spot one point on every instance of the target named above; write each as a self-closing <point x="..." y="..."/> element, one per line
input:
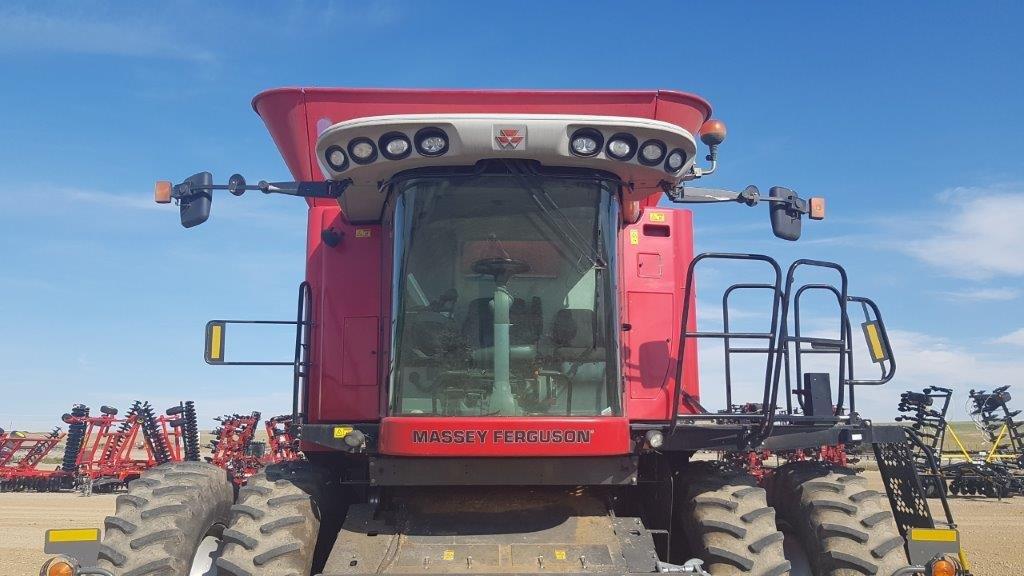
<point x="236" y="185"/>
<point x="681" y="195"/>
<point x="749" y="196"/>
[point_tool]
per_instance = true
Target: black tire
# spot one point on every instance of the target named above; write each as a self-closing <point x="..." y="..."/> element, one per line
<point x="844" y="528"/>
<point x="723" y="518"/>
<point x="160" y="522"/>
<point x="276" y="523"/>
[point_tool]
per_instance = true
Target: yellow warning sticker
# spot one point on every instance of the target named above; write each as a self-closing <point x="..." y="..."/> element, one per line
<point x="559" y="554"/>
<point x="449" y="555"/>
<point x="657" y="216"/>
<point x="363" y="232"/>
<point x="634" y="237"/>
<point x="341" y="431"/>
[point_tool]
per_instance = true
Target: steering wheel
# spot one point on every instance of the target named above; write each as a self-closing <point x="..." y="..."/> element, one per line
<point x="501" y="268"/>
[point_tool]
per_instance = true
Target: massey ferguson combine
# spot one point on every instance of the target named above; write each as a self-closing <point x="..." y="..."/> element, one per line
<point x="495" y="364"/>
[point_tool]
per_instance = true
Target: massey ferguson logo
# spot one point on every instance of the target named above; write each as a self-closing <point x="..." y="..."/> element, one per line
<point x="502" y="436"/>
<point x="510" y="137"/>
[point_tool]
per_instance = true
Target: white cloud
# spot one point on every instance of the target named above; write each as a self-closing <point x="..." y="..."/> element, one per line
<point x="982" y="294"/>
<point x="921" y="360"/>
<point x="78" y="31"/>
<point x="982" y="237"/>
<point x="925" y="360"/>
<point x="108" y="199"/>
<point x="1015" y="338"/>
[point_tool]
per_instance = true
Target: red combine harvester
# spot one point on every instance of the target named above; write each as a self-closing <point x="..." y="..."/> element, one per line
<point x="495" y="366"/>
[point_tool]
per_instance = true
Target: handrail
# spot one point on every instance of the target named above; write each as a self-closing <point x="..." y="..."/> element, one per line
<point x="889" y="369"/>
<point x="786" y="299"/>
<point x="843" y="347"/>
<point x="844" y="320"/>
<point x="300" y="375"/>
<point x="685" y="334"/>
<point x="727" y="335"/>
<point x="933" y="465"/>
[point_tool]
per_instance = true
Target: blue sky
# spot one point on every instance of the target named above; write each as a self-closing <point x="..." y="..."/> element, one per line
<point x="909" y="122"/>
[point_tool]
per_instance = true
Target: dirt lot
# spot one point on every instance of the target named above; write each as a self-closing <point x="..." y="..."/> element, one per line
<point x="992" y="530"/>
<point x="25" y="517"/>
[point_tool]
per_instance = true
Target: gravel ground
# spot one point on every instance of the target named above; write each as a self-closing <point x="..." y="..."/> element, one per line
<point x="992" y="530"/>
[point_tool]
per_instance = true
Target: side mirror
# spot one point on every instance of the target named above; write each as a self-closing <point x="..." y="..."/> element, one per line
<point x="786" y="222"/>
<point x="214" y="347"/>
<point x="195" y="205"/>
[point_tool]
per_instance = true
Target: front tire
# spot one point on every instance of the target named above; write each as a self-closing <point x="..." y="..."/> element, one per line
<point x="275" y="525"/>
<point x="843" y="528"/>
<point x="724" y="519"/>
<point x="159" y="524"/>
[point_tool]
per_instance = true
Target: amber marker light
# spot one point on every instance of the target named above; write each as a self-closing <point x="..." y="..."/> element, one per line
<point x="58" y="567"/>
<point x="943" y="567"/>
<point x="817" y="208"/>
<point x="162" y="192"/>
<point x="712" y="132"/>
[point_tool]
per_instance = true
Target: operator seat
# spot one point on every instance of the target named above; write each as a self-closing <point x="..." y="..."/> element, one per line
<point x="572" y="343"/>
<point x="574" y="334"/>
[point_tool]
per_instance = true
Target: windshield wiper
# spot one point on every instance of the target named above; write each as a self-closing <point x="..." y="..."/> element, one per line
<point x="565" y="229"/>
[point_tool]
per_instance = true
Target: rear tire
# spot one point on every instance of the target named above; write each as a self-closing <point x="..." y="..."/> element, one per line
<point x="724" y="519"/>
<point x="275" y="525"/>
<point x="844" y="528"/>
<point x="159" y="523"/>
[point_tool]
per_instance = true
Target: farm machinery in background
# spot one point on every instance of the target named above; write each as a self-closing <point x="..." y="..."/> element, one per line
<point x="102" y="452"/>
<point x="105" y="451"/>
<point x="109" y="451"/>
<point x="996" y="472"/>
<point x="235" y="449"/>
<point x="21" y="454"/>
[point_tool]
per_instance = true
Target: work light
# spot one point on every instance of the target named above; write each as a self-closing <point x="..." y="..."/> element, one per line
<point x="586" y="142"/>
<point x="395" y="146"/>
<point x="652" y="152"/>
<point x="431" y="142"/>
<point x="655" y="439"/>
<point x="622" y="146"/>
<point x="675" y="160"/>
<point x="362" y="150"/>
<point x="336" y="158"/>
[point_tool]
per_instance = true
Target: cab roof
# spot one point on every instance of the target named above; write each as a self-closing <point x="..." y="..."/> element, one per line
<point x="296" y="116"/>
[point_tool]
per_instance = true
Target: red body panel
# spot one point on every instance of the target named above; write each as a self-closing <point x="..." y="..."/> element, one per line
<point x="345" y="280"/>
<point x="351" y="281"/>
<point x="502" y="436"/>
<point x="654" y="255"/>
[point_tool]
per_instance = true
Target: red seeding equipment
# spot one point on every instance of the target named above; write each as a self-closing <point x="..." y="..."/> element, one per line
<point x="232" y="446"/>
<point x="21" y="457"/>
<point x="106" y="451"/>
<point x="282" y="446"/>
<point x="236" y="450"/>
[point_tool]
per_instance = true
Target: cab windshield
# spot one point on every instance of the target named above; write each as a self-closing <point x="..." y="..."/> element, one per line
<point x="503" y="295"/>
